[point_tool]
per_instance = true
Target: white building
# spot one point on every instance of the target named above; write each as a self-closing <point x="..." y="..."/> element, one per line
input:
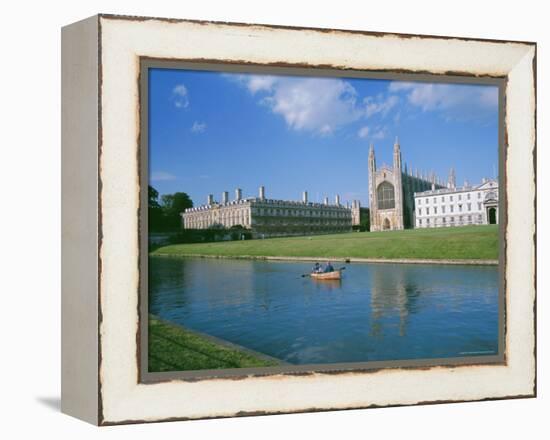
<point x="451" y="206"/>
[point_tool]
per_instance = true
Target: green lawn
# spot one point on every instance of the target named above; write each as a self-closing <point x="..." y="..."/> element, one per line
<point x="469" y="242"/>
<point x="173" y="348"/>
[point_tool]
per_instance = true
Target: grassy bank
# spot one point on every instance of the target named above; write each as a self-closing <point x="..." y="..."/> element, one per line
<point x="461" y="243"/>
<point x="174" y="348"/>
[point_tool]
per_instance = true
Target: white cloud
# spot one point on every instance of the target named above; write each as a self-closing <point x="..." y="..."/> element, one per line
<point x="397" y="118"/>
<point x="317" y="105"/>
<point x="377" y="132"/>
<point x="396" y="86"/>
<point x="198" y="127"/>
<point x="254" y="83"/>
<point x="157" y="176"/>
<point x="456" y="101"/>
<point x="380" y="105"/>
<point x="363" y="132"/>
<point x="180" y="96"/>
<point x="380" y="133"/>
<point x="257" y="83"/>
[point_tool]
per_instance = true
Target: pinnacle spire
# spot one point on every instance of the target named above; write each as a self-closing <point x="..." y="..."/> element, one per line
<point x="396" y="146"/>
<point x="452" y="178"/>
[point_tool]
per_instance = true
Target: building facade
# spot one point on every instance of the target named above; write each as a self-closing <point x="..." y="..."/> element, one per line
<point x="452" y="206"/>
<point x="269" y="217"/>
<point x="391" y="192"/>
<point x="398" y="199"/>
<point x="360" y="216"/>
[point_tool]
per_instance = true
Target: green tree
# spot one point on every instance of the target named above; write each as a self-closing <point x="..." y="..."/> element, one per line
<point x="154" y="210"/>
<point x="172" y="206"/>
<point x="364" y="219"/>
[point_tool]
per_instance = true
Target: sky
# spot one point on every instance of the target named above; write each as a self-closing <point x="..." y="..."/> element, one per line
<point x="211" y="132"/>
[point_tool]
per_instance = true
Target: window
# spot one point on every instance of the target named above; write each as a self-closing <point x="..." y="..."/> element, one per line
<point x="428" y="221"/>
<point x="435" y="199"/>
<point x="460" y="208"/>
<point x="435" y="210"/>
<point x="444" y="220"/>
<point x="479" y="206"/>
<point x="386" y="196"/>
<point x="469" y="206"/>
<point x="443" y="198"/>
<point x="452" y="208"/>
<point x="428" y="211"/>
<point x="468" y="196"/>
<point x="451" y="198"/>
<point x="460" y="197"/>
<point x="419" y="211"/>
<point x="427" y="200"/>
<point x="419" y="221"/>
<point x="443" y="209"/>
<point x="479" y="195"/>
<point x="420" y="201"/>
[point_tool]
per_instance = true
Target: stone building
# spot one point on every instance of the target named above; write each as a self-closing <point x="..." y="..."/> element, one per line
<point x="452" y="206"/>
<point x="359" y="216"/>
<point x="391" y="192"/>
<point x="269" y="217"/>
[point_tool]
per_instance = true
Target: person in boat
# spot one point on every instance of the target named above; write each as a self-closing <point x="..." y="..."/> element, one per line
<point x="328" y="268"/>
<point x="316" y="268"/>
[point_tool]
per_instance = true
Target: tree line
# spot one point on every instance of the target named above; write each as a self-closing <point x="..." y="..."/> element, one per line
<point x="164" y="214"/>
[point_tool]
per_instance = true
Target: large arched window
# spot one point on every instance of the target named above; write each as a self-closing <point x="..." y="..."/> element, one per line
<point x="386" y="196"/>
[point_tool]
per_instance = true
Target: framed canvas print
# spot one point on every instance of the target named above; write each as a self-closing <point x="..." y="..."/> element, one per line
<point x="263" y="220"/>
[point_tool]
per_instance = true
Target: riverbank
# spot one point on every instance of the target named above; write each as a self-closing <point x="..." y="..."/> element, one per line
<point x="175" y="348"/>
<point x="461" y="245"/>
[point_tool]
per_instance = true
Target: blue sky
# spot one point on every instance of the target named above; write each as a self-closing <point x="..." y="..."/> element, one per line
<point x="211" y="132"/>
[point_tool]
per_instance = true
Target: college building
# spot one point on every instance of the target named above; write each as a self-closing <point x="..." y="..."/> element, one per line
<point x="398" y="199"/>
<point x="391" y="192"/>
<point x="266" y="217"/>
<point x="452" y="206"/>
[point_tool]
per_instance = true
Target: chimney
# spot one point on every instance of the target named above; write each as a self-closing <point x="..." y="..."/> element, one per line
<point x="304" y="196"/>
<point x="337" y="200"/>
<point x="238" y="194"/>
<point x="210" y="200"/>
<point x="326" y="200"/>
<point x="262" y="192"/>
<point x="225" y="197"/>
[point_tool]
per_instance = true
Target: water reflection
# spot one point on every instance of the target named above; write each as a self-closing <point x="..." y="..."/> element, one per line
<point x="376" y="312"/>
<point x="393" y="293"/>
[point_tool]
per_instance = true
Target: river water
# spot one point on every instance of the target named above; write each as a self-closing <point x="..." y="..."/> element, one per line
<point x="376" y="312"/>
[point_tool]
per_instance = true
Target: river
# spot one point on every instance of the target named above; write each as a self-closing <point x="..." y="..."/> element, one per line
<point x="376" y="312"/>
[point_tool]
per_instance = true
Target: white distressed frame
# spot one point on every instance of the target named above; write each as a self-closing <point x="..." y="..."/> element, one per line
<point x="122" y="42"/>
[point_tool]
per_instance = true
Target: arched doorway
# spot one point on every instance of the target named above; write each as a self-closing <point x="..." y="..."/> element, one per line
<point x="492" y="216"/>
<point x="386" y="225"/>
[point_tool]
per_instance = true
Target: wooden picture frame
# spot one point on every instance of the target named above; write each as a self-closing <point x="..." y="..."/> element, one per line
<point x="102" y="262"/>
